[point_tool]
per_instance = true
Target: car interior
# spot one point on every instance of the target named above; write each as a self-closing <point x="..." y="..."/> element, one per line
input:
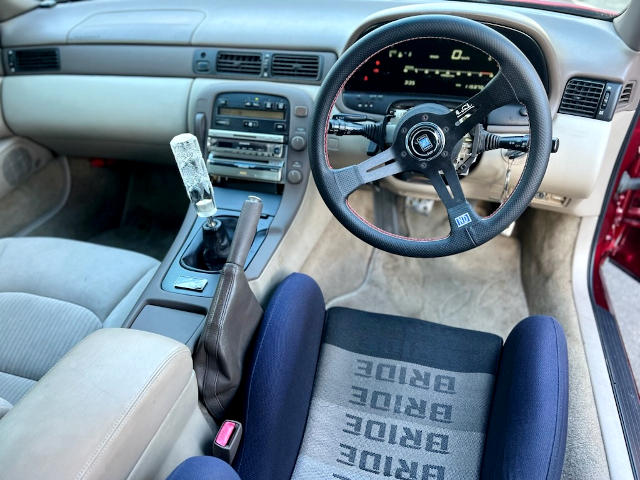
<point x="409" y="246"/>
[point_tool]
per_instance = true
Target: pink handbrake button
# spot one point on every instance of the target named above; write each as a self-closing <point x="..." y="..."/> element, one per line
<point x="225" y="433"/>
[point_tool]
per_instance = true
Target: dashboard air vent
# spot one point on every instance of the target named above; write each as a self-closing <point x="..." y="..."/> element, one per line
<point x="239" y="63"/>
<point x="295" y="66"/>
<point x="625" y="96"/>
<point x="582" y="97"/>
<point x="34" y="60"/>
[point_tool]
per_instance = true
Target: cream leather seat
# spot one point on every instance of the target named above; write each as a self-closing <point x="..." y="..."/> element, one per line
<point x="53" y="293"/>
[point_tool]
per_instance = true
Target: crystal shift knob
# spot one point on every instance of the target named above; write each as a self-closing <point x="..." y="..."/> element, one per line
<point x="193" y="170"/>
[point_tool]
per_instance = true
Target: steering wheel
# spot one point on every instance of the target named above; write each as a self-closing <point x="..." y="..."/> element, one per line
<point x="428" y="136"/>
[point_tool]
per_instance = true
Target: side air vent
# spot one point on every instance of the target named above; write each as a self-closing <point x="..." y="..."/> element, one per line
<point x="34" y="60"/>
<point x="295" y="66"/>
<point x="582" y="97"/>
<point x="625" y="96"/>
<point x="239" y="63"/>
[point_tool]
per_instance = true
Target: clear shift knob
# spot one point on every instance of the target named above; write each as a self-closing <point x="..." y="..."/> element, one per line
<point x="195" y="176"/>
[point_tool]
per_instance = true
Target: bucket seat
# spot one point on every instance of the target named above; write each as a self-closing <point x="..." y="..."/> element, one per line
<point x="347" y="394"/>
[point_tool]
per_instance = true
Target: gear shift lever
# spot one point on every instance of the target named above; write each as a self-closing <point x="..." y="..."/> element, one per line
<point x="194" y="174"/>
<point x="195" y="177"/>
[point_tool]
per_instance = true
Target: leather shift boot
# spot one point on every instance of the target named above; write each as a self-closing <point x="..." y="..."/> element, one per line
<point x="231" y="322"/>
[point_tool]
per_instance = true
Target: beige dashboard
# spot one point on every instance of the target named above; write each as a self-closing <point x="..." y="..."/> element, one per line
<point x="132" y="116"/>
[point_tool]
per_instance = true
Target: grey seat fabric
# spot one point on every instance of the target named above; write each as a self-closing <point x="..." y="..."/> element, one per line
<point x="55" y="292"/>
<point x="4" y="407"/>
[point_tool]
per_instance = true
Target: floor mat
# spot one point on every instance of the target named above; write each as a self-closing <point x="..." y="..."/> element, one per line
<point x="94" y="204"/>
<point x="130" y="205"/>
<point x="151" y="241"/>
<point x="152" y="214"/>
<point x="478" y="289"/>
<point x="339" y="260"/>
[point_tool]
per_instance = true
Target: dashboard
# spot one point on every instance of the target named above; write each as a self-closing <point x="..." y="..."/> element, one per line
<point x="114" y="91"/>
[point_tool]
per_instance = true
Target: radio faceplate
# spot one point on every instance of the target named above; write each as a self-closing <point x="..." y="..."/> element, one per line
<point x="248" y="136"/>
<point x="251" y="112"/>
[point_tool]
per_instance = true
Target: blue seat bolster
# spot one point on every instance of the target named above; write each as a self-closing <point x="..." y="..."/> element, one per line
<point x="527" y="432"/>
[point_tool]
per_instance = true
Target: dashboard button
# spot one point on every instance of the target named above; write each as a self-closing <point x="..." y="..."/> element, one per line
<point x="224" y="123"/>
<point x="281" y="106"/>
<point x="298" y="143"/>
<point x="202" y="66"/>
<point x="301" y="111"/>
<point x="223" y="102"/>
<point x="268" y="105"/>
<point x="255" y="104"/>
<point x="248" y="104"/>
<point x="281" y="127"/>
<point x="250" y="124"/>
<point x="294" y="176"/>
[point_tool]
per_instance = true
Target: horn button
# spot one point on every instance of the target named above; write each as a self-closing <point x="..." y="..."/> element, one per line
<point x="425" y="141"/>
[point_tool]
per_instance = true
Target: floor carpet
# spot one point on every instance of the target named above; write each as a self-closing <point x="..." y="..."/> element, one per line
<point x="480" y="288"/>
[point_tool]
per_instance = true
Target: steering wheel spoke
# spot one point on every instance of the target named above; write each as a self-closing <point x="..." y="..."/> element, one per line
<point x="448" y="188"/>
<point x="382" y="165"/>
<point x="467" y="115"/>
<point x="445" y="180"/>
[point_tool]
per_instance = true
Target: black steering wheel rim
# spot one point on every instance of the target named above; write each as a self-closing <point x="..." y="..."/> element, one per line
<point x="517" y="80"/>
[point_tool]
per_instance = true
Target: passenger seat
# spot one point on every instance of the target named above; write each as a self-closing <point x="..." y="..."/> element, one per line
<point x="53" y="293"/>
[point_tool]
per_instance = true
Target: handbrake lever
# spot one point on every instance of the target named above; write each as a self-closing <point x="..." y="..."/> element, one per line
<point x="231" y="322"/>
<point x="245" y="231"/>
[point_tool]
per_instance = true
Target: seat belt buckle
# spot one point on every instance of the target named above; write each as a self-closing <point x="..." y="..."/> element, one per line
<point x="227" y="441"/>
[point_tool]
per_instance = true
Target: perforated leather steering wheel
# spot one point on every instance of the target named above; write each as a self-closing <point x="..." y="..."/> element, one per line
<point x="426" y="137"/>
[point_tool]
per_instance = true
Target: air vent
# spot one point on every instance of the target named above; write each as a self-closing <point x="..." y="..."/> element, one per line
<point x="582" y="97"/>
<point x="34" y="60"/>
<point x="295" y="66"/>
<point x="625" y="96"/>
<point x="239" y="63"/>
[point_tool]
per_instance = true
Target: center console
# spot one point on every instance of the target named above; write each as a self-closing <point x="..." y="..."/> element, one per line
<point x="254" y="142"/>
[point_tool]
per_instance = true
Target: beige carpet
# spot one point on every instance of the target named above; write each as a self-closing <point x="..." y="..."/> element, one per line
<point x="478" y="289"/>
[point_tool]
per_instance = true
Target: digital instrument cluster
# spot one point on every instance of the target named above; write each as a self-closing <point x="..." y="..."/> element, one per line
<point x="431" y="70"/>
<point x="426" y="66"/>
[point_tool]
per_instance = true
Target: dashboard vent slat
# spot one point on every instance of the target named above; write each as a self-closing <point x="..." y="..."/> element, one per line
<point x="239" y="63"/>
<point x="295" y="66"/>
<point x="581" y="97"/>
<point x="35" y="60"/>
<point x="625" y="96"/>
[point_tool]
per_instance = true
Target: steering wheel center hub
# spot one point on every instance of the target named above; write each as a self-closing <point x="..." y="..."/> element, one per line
<point x="425" y="141"/>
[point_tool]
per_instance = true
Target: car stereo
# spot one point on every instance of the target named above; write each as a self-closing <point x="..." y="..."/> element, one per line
<point x="248" y="137"/>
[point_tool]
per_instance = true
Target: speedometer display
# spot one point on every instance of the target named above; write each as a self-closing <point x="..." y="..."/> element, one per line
<point x="426" y="66"/>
